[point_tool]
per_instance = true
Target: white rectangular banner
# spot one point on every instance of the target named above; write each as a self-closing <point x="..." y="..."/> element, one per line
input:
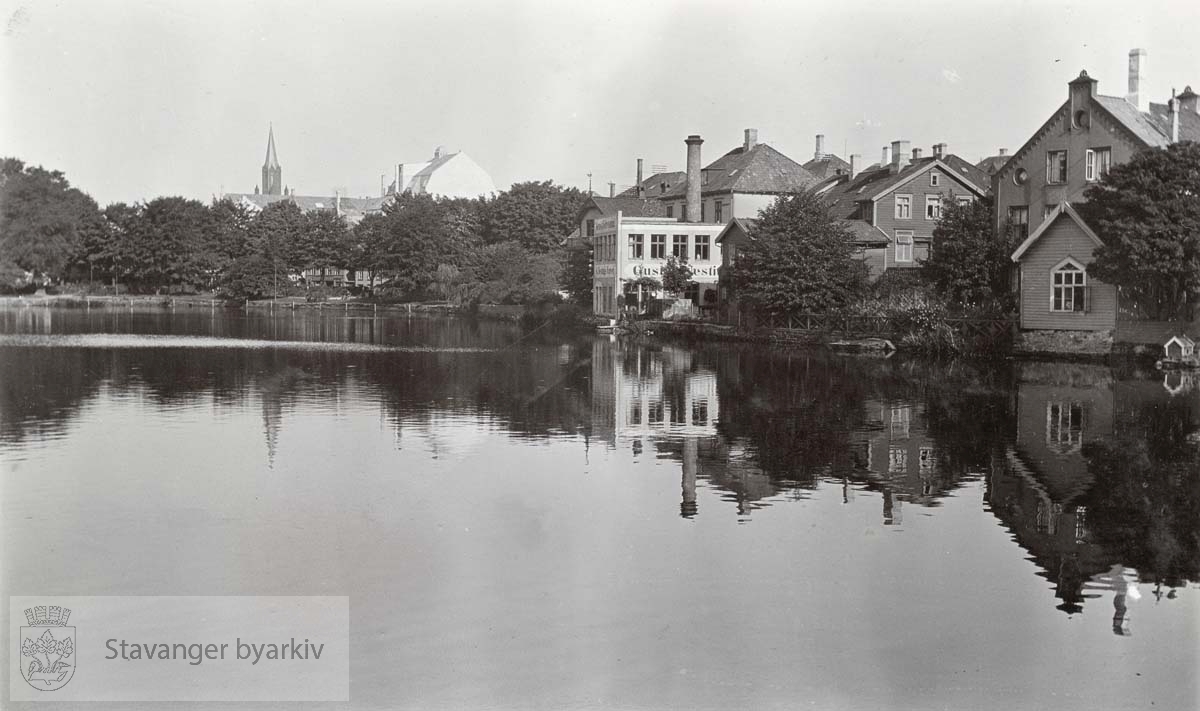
<point x="179" y="648"/>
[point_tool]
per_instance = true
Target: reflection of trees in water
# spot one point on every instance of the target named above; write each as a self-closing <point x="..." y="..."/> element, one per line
<point x="1145" y="504"/>
<point x="535" y="389"/>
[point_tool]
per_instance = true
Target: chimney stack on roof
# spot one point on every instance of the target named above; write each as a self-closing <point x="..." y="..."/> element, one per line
<point x="939" y="150"/>
<point x="1173" y="117"/>
<point x="883" y="159"/>
<point x="819" y="153"/>
<point x="899" y="150"/>
<point x="692" y="208"/>
<point x="751" y="139"/>
<point x="916" y="155"/>
<point x="399" y="178"/>
<point x="1187" y="100"/>
<point x="640" y="191"/>
<point x="612" y="189"/>
<point x="439" y="152"/>
<point x="1137" y="94"/>
<point x="1003" y="151"/>
<point x="855" y="165"/>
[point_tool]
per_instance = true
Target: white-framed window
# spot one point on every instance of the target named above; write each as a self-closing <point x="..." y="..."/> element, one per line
<point x="679" y="245"/>
<point x="1056" y="167"/>
<point x="658" y="246"/>
<point x="636" y="245"/>
<point x="964" y="199"/>
<point x="1097" y="163"/>
<point x="702" y="250"/>
<point x="935" y="178"/>
<point x="719" y="211"/>
<point x="933" y="207"/>
<point x="1064" y="426"/>
<point x="904" y="246"/>
<point x="1068" y="287"/>
<point x="904" y="207"/>
<point x="670" y="210"/>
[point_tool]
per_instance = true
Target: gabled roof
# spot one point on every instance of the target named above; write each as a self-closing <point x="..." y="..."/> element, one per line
<point x="1062" y="209"/>
<point x="745" y="224"/>
<point x="827" y="166"/>
<point x="865" y="233"/>
<point x="874" y="183"/>
<point x="628" y="206"/>
<point x="653" y="186"/>
<point x="992" y="164"/>
<point x="762" y="169"/>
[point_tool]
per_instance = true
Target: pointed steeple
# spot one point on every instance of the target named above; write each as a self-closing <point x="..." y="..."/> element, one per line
<point x="272" y="173"/>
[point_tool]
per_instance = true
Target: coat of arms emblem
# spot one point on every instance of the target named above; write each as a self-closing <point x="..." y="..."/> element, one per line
<point x="47" y="647"/>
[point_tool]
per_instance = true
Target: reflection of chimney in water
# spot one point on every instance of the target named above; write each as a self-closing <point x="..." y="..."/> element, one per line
<point x="689" y="508"/>
<point x="888" y="510"/>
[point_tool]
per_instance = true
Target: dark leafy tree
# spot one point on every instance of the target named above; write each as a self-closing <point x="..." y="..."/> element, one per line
<point x="537" y="215"/>
<point x="322" y="243"/>
<point x="273" y="233"/>
<point x="676" y="275"/>
<point x="508" y="273"/>
<point x="42" y="219"/>
<point x="576" y="276"/>
<point x="800" y="259"/>
<point x="366" y="250"/>
<point x="1147" y="213"/>
<point x="969" y="263"/>
<point x="165" y="242"/>
<point x="418" y="238"/>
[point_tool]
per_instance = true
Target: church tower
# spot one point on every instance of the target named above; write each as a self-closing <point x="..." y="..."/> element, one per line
<point x="272" y="174"/>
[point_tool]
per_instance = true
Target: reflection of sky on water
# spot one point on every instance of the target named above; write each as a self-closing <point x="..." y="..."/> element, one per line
<point x="579" y="522"/>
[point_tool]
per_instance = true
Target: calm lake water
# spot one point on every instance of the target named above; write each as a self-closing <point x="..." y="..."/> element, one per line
<point x="578" y="522"/>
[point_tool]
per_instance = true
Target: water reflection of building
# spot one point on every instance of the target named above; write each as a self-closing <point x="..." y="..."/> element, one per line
<point x="896" y="454"/>
<point x="1063" y="499"/>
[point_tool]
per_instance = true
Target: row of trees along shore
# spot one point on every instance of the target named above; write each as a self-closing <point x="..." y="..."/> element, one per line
<point x="502" y="249"/>
<point x="507" y="249"/>
<point x="1146" y="211"/>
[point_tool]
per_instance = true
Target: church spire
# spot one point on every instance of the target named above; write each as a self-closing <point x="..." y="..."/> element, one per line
<point x="272" y="173"/>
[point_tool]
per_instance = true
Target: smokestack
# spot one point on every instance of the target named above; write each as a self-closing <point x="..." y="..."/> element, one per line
<point x="751" y="139"/>
<point x="641" y="192"/>
<point x="916" y="155"/>
<point x="399" y="178"/>
<point x="1137" y="94"/>
<point x="693" y="177"/>
<point x="855" y="165"/>
<point x="612" y="189"/>
<point x="382" y="185"/>
<point x="884" y="160"/>
<point x="899" y="150"/>
<point x="819" y="153"/>
<point x="1173" y="116"/>
<point x="1187" y="100"/>
<point x="939" y="150"/>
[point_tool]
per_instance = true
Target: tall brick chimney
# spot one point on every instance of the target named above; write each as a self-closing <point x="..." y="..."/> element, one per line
<point x="1138" y="94"/>
<point x="1173" y="116"/>
<point x="751" y="139"/>
<point x="819" y="153"/>
<point x="693" y="177"/>
<point x="641" y="192"/>
<point x="612" y="189"/>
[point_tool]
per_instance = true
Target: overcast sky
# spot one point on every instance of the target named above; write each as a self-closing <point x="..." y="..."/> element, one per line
<point x="134" y="100"/>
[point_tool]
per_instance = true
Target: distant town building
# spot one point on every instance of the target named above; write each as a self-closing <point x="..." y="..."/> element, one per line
<point x="1080" y="142"/>
<point x="272" y="173"/>
<point x="892" y="209"/>
<point x="992" y="164"/>
<point x="825" y="165"/>
<point x="453" y="175"/>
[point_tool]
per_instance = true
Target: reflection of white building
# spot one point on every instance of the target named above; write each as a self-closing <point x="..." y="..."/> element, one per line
<point x="638" y="392"/>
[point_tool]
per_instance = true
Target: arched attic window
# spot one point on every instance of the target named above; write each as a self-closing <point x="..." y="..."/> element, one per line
<point x="1069" y="287"/>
